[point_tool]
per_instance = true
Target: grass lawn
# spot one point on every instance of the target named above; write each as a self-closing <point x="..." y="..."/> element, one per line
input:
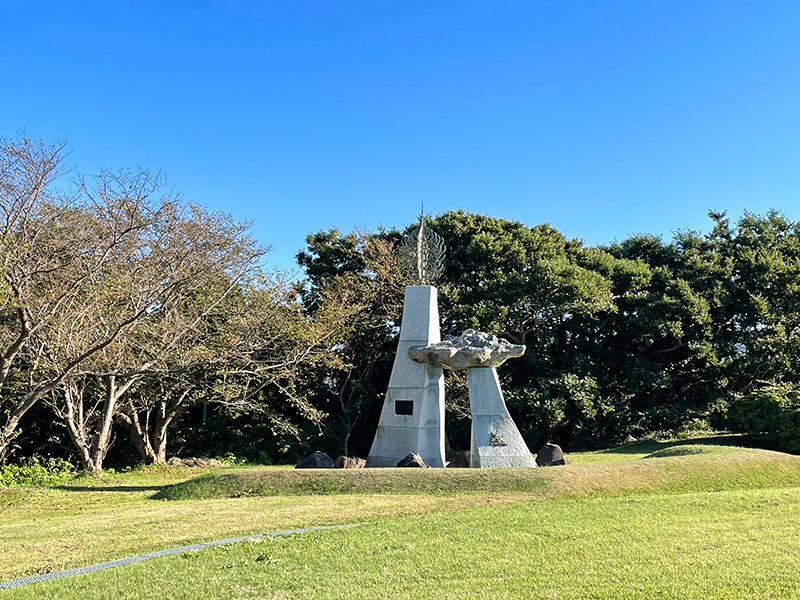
<point x="703" y="521"/>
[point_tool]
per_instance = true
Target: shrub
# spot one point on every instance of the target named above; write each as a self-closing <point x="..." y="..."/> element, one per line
<point x="770" y="414"/>
<point x="37" y="471"/>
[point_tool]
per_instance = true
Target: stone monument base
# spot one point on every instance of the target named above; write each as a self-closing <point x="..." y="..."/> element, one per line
<point x="496" y="441"/>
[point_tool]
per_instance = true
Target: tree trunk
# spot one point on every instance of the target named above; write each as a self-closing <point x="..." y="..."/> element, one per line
<point x="102" y="436"/>
<point x="160" y="436"/>
<point x="138" y="435"/>
<point x="92" y="445"/>
<point x="74" y="418"/>
<point x="152" y="444"/>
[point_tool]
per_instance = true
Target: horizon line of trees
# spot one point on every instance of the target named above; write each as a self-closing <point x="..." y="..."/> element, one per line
<point x="123" y="307"/>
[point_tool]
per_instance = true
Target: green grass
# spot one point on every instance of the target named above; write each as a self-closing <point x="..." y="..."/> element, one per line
<point x="735" y="544"/>
<point x="703" y="467"/>
<point x="44" y="529"/>
<point x="692" y="519"/>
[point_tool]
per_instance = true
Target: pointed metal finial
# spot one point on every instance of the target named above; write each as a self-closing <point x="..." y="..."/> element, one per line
<point x="422" y="253"/>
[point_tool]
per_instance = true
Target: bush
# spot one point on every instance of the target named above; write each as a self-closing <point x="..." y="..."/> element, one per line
<point x="37" y="471"/>
<point x="771" y="415"/>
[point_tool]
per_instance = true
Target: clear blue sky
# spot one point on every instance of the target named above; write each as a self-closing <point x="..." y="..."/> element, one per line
<point x="603" y="118"/>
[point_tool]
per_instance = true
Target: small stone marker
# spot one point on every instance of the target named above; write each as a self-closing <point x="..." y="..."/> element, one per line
<point x="317" y="460"/>
<point x="412" y="459"/>
<point x="347" y="462"/>
<point x="550" y="455"/>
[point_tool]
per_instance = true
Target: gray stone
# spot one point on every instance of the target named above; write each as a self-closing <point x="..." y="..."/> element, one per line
<point x="471" y="349"/>
<point x="496" y="441"/>
<point x="412" y="417"/>
<point x="460" y="460"/>
<point x="412" y="459"/>
<point x="550" y="455"/>
<point x="317" y="460"/>
<point x="347" y="462"/>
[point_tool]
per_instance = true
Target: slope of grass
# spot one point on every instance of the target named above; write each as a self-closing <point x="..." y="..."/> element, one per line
<point x="710" y="545"/>
<point x="693" y="468"/>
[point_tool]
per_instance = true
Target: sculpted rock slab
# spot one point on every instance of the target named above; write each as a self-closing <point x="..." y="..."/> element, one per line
<point x="472" y="349"/>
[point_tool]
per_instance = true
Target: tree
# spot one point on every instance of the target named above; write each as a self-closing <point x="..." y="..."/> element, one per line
<point x="360" y="274"/>
<point x="527" y="284"/>
<point x="56" y="254"/>
<point x="173" y="276"/>
<point x="500" y="276"/>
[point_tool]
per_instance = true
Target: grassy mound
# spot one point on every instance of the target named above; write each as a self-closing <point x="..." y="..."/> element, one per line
<point x="681" y="451"/>
<point x="722" y="468"/>
<point x="273" y="482"/>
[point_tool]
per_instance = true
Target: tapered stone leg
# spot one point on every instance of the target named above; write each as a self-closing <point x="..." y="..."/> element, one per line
<point x="496" y="441"/>
<point x="412" y="418"/>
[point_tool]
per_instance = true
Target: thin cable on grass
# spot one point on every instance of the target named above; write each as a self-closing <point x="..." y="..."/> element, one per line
<point x="139" y="558"/>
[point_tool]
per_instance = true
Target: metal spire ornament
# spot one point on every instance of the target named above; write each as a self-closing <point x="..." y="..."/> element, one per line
<point x="422" y="254"/>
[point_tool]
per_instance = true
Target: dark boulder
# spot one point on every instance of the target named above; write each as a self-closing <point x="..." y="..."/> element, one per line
<point x="550" y="455"/>
<point x="412" y="460"/>
<point x="460" y="460"/>
<point x="347" y="462"/>
<point x="318" y="460"/>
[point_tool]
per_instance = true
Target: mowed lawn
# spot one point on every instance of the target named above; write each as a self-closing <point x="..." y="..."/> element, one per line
<point x="561" y="539"/>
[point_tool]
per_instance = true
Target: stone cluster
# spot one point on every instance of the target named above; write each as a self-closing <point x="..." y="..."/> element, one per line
<point x="471" y="349"/>
<point x="320" y="460"/>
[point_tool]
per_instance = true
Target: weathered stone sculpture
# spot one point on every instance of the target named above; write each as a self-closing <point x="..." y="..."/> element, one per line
<point x="472" y="349"/>
<point x="496" y="441"/>
<point x="412" y="418"/>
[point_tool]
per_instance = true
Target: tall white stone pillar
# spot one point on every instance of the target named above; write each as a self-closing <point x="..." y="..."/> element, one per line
<point x="412" y="418"/>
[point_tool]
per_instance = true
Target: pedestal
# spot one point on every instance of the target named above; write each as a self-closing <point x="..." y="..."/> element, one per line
<point x="496" y="441"/>
<point x="412" y="418"/>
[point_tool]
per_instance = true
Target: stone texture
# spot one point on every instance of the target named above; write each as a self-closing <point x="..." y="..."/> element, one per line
<point x="550" y="455"/>
<point x="421" y="384"/>
<point x="472" y="349"/>
<point x="412" y="459"/>
<point x="460" y="460"/>
<point x="347" y="462"/>
<point x="317" y="460"/>
<point x="496" y="441"/>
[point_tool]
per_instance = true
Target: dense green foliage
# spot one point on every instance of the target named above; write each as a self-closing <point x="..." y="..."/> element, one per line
<point x="36" y="471"/>
<point x="770" y="414"/>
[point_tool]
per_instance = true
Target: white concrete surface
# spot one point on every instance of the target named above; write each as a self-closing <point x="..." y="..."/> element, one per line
<point x="496" y="441"/>
<point x="423" y="431"/>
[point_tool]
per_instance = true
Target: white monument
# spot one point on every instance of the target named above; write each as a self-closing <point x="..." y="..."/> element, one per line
<point x="412" y="418"/>
<point x="496" y="441"/>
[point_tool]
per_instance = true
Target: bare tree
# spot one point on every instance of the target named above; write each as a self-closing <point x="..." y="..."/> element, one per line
<point x="64" y="257"/>
<point x="244" y="356"/>
<point x="171" y="277"/>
